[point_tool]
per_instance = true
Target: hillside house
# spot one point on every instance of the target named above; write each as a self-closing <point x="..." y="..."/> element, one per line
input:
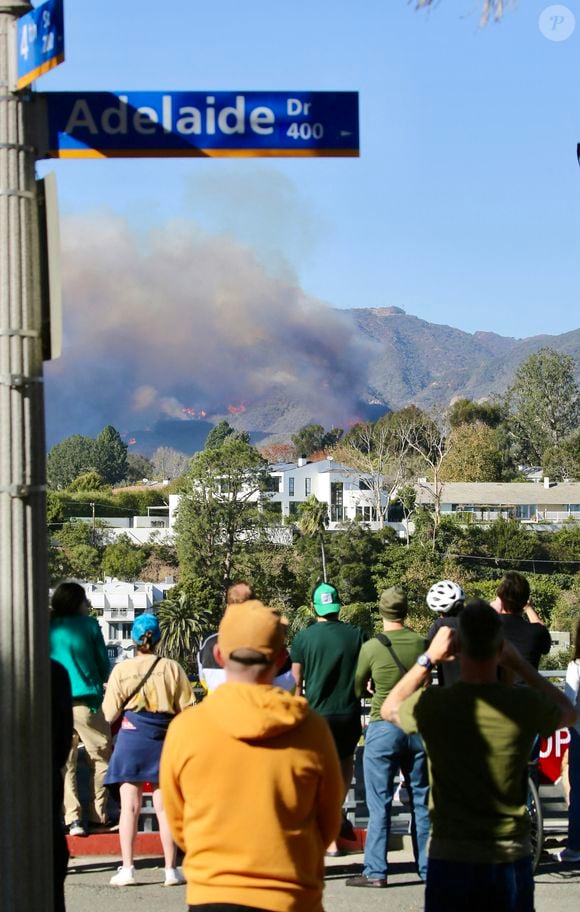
<point x="543" y="505"/>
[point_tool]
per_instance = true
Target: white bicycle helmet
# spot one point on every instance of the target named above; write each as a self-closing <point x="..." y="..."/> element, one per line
<point x="443" y="596"/>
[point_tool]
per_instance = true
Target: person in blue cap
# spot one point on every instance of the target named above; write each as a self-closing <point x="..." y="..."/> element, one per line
<point x="146" y="692"/>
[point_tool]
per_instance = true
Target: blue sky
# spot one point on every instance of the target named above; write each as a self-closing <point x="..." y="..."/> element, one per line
<point x="464" y="207"/>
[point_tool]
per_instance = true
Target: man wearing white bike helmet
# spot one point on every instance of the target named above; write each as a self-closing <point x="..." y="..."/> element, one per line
<point x="447" y="599"/>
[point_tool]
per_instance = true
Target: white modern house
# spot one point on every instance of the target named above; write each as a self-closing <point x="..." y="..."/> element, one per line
<point x="544" y="505"/>
<point x="348" y="495"/>
<point x="139" y="529"/>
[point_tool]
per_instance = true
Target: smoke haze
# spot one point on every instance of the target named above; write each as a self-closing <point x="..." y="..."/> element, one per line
<point x="182" y="324"/>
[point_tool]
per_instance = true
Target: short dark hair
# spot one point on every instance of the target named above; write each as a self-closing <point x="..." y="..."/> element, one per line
<point x="514" y="592"/>
<point x="480" y="630"/>
<point x="68" y="599"/>
<point x="249" y="657"/>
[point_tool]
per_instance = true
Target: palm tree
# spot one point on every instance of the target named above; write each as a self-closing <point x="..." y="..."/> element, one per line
<point x="184" y="621"/>
<point x="312" y="523"/>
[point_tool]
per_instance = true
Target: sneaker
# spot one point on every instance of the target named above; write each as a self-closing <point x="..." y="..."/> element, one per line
<point x="569" y="855"/>
<point x="125" y="877"/>
<point x="173" y="877"/>
<point x="76" y="829"/>
<point x="347" y="830"/>
<point x="361" y="880"/>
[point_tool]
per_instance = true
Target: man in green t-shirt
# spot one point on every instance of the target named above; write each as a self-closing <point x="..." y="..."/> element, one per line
<point x="385" y="659"/>
<point x="478" y="734"/>
<point x="324" y="658"/>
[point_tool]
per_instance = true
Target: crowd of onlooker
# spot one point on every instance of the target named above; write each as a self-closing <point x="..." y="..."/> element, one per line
<point x="274" y="740"/>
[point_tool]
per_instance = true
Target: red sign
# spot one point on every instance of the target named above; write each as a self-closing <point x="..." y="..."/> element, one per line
<point x="551" y="752"/>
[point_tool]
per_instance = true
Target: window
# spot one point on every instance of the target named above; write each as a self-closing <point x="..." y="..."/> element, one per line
<point x="525" y="511"/>
<point x="273" y="484"/>
<point x="573" y="508"/>
<point x="336" y="501"/>
<point x="291" y="487"/>
<point x="293" y="508"/>
<point x="307" y="487"/>
<point x="365" y="514"/>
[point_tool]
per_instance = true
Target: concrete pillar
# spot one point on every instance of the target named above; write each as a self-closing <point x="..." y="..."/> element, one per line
<point x="25" y="737"/>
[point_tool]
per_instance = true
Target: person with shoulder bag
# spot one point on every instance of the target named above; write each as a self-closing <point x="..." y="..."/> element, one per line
<point x="146" y="692"/>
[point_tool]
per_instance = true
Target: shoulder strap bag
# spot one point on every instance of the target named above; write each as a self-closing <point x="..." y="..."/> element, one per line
<point x="143" y="680"/>
<point x="383" y="638"/>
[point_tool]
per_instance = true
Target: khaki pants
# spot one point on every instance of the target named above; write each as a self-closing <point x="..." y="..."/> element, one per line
<point x="90" y="728"/>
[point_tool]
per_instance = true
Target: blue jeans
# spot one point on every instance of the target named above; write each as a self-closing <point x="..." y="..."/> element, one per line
<point x="573" y="841"/>
<point x="454" y="886"/>
<point x="387" y="750"/>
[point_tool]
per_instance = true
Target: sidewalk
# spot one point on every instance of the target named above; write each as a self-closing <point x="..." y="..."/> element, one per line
<point x="88" y="890"/>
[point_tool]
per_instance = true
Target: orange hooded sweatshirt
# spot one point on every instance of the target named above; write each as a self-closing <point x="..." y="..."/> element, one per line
<point x="252" y="789"/>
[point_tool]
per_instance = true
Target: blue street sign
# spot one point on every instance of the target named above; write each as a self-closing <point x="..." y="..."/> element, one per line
<point x="40" y="37"/>
<point x="237" y="124"/>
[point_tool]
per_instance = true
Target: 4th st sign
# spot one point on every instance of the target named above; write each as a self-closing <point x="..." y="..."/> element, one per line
<point x="240" y="124"/>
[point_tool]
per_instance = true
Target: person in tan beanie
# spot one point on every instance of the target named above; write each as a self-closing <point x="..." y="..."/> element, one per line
<point x="252" y="751"/>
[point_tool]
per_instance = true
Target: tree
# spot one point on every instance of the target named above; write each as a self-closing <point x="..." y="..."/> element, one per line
<point x="427" y="436"/>
<point x="466" y="411"/>
<point x="69" y="459"/>
<point x="562" y="461"/>
<point x="220" y="512"/>
<point x="88" y="481"/>
<point x="309" y="439"/>
<point x="218" y="435"/>
<point x="278" y="452"/>
<point x="75" y="551"/>
<point x="185" y="618"/>
<point x="544" y="402"/>
<point x="473" y="454"/>
<point x="378" y="452"/>
<point x="111" y="455"/>
<point x="138" y="468"/>
<point x="123" y="559"/>
<point x="312" y="523"/>
<point x="169" y="463"/>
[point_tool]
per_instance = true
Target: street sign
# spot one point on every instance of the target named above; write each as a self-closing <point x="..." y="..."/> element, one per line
<point x="40" y="41"/>
<point x="229" y="124"/>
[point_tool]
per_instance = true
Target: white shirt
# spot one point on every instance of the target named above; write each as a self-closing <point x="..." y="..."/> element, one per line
<point x="572" y="688"/>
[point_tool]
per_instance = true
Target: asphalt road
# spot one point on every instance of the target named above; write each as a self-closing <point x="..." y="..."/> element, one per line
<point x="88" y="887"/>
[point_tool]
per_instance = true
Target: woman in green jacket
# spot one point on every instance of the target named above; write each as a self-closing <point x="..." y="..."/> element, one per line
<point x="77" y="643"/>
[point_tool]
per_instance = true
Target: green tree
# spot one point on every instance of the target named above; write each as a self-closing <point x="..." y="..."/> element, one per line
<point x="88" y="481"/>
<point x="138" y="468"/>
<point x="466" y="411"/>
<point x="562" y="461"/>
<point x="123" y="559"/>
<point x="473" y="454"/>
<point x="69" y="459"/>
<point x="220" y="433"/>
<point x="312" y="523"/>
<point x="111" y="455"/>
<point x="309" y="439"/>
<point x="220" y="512"/>
<point x="544" y="402"/>
<point x="75" y="551"/>
<point x="186" y="616"/>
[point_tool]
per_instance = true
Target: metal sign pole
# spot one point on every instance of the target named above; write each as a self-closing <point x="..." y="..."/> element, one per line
<point x="25" y="749"/>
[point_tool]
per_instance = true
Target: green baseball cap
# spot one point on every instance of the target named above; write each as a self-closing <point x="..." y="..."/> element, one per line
<point x="325" y="599"/>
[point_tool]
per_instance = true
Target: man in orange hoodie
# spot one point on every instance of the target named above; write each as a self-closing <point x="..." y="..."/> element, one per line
<point x="251" y="751"/>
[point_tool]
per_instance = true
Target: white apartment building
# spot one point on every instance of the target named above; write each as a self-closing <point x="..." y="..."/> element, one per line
<point x="118" y="603"/>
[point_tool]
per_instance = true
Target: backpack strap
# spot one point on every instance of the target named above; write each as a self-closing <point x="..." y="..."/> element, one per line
<point x="383" y="638"/>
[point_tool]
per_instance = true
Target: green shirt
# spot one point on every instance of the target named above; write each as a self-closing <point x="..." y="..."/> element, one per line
<point x="77" y="643"/>
<point x="328" y="653"/>
<point x="376" y="662"/>
<point x="479" y="738"/>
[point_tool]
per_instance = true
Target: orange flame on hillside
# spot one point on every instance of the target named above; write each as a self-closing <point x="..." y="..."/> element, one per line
<point x="237" y="409"/>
